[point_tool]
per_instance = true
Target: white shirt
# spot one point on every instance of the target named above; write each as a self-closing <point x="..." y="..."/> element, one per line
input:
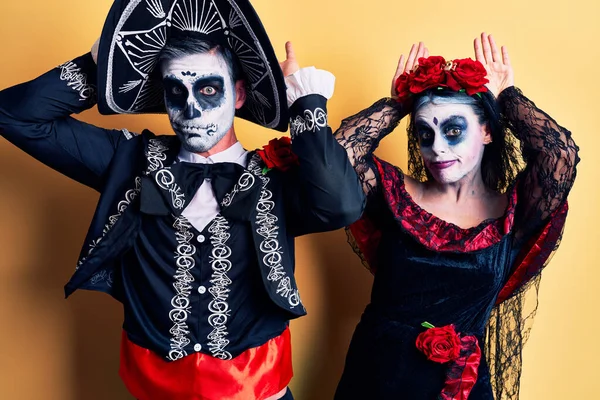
<point x="204" y="207"/>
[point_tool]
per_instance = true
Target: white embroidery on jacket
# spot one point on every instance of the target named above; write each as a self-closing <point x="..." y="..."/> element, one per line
<point x="184" y="262"/>
<point x="218" y="306"/>
<point x="312" y="121"/>
<point x="269" y="230"/>
<point x="77" y="80"/>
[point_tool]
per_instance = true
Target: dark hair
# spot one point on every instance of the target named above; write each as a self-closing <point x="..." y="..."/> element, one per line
<point x="500" y="162"/>
<point x="189" y="43"/>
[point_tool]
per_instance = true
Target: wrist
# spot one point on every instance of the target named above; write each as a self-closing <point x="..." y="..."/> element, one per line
<point x="402" y="106"/>
<point x="308" y="81"/>
<point x="94" y="50"/>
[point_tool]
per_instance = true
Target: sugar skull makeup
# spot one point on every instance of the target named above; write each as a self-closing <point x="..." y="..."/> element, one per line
<point x="200" y="97"/>
<point x="452" y="140"/>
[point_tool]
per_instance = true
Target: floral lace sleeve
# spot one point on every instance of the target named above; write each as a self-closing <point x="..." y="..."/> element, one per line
<point x="361" y="133"/>
<point x="551" y="157"/>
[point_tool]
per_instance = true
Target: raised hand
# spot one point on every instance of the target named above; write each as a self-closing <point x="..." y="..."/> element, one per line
<point x="406" y="65"/>
<point x="497" y="63"/>
<point x="290" y="65"/>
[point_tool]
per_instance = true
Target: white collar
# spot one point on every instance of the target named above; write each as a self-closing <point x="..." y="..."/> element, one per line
<point x="235" y="154"/>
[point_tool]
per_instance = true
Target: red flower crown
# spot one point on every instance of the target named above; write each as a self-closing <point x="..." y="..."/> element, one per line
<point x="459" y="75"/>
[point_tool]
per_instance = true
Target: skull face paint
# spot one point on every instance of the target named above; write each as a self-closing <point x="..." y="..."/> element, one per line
<point x="200" y="97"/>
<point x="452" y="140"/>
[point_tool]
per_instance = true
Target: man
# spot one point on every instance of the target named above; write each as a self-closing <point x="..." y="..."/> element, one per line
<point x="192" y="234"/>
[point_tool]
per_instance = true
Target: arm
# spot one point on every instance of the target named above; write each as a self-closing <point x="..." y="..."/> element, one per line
<point x="35" y="116"/>
<point x="551" y="156"/>
<point x="361" y="133"/>
<point x="323" y="193"/>
<point x="548" y="149"/>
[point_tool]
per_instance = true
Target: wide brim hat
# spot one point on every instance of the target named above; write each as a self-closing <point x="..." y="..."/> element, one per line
<point x="136" y="31"/>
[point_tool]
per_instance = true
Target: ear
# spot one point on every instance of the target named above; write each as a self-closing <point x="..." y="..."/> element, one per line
<point x="240" y="94"/>
<point x="487" y="134"/>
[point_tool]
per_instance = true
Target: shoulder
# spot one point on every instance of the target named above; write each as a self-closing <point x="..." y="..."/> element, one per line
<point x="499" y="201"/>
<point x="394" y="178"/>
<point x="414" y="187"/>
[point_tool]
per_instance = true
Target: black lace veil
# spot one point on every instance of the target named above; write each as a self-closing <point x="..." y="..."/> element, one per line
<point x="528" y="149"/>
<point x="520" y="132"/>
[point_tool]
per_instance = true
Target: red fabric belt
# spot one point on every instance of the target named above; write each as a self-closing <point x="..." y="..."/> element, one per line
<point x="257" y="373"/>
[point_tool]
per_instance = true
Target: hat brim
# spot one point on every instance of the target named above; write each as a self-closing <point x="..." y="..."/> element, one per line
<point x="136" y="31"/>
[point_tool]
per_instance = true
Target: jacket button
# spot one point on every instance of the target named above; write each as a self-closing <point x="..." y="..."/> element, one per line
<point x="197" y="347"/>
<point x="201" y="238"/>
<point x="201" y="289"/>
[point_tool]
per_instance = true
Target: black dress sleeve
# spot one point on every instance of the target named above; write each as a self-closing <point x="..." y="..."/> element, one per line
<point x="551" y="158"/>
<point x="361" y="133"/>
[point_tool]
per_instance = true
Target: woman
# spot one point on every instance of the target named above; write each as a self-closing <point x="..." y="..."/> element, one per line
<point x="455" y="243"/>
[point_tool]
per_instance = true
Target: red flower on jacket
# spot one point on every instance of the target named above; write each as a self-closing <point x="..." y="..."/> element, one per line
<point x="278" y="154"/>
<point x="441" y="344"/>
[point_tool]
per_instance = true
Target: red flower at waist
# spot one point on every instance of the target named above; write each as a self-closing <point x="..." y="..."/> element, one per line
<point x="461" y="352"/>
<point x="439" y="344"/>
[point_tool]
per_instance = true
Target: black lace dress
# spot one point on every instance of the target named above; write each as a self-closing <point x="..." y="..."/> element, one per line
<point x="429" y="270"/>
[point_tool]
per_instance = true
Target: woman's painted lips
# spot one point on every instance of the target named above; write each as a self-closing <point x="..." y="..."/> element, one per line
<point x="442" y="164"/>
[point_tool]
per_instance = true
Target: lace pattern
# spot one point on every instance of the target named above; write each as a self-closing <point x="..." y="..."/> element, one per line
<point x="432" y="232"/>
<point x="550" y="156"/>
<point x="361" y="133"/>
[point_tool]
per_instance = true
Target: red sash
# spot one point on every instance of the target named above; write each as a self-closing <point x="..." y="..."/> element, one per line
<point x="257" y="373"/>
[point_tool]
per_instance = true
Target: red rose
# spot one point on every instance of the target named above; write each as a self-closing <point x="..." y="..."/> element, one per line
<point x="278" y="154"/>
<point x="440" y="344"/>
<point x="430" y="73"/>
<point x="403" y="87"/>
<point x="469" y="75"/>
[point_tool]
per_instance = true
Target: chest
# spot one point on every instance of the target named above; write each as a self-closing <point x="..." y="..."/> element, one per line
<point x="414" y="281"/>
<point x="465" y="214"/>
<point x="168" y="244"/>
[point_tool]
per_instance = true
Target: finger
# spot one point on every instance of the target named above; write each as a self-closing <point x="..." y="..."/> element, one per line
<point x="505" y="57"/>
<point x="487" y="50"/>
<point x="495" y="53"/>
<point x="400" y="67"/>
<point x="421" y="52"/>
<point x="289" y="51"/>
<point x="478" y="50"/>
<point x="411" y="58"/>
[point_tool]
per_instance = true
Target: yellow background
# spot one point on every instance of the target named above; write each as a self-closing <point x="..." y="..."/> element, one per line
<point x="55" y="349"/>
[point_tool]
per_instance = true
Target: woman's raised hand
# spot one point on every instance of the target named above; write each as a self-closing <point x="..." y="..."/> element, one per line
<point x="406" y="65"/>
<point x="496" y="62"/>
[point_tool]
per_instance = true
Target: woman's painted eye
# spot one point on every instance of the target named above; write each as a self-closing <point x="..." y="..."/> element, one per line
<point x="426" y="135"/>
<point x="176" y="90"/>
<point x="454" y="132"/>
<point x="208" y="91"/>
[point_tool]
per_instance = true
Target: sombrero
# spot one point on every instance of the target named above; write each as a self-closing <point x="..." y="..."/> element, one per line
<point x="135" y="32"/>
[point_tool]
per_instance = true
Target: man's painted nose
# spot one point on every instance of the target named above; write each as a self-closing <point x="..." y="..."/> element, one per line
<point x="191" y="111"/>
